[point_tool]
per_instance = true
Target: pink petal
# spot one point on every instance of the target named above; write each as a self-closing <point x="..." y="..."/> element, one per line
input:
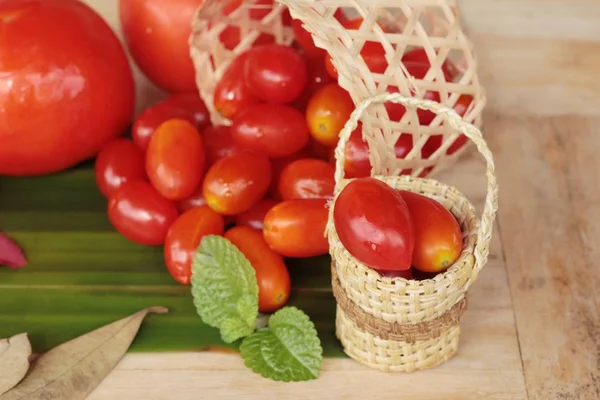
<point x="11" y="254"/>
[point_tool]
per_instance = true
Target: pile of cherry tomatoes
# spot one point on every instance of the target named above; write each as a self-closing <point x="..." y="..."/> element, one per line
<point x="262" y="182"/>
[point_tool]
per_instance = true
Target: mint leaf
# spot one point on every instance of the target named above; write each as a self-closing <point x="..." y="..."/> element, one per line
<point x="288" y="350"/>
<point x="224" y="288"/>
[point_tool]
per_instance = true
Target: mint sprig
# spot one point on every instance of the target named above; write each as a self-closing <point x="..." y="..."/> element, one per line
<point x="226" y="297"/>
<point x="224" y="288"/>
<point x="288" y="350"/>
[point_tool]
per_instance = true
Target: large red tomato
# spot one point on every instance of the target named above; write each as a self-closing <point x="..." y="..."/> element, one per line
<point x="66" y="87"/>
<point x="157" y="33"/>
<point x="374" y="224"/>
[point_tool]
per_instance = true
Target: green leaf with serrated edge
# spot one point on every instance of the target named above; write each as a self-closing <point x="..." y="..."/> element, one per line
<point x="288" y="350"/>
<point x="224" y="288"/>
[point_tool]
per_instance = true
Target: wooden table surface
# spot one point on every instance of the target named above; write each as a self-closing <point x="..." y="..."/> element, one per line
<point x="532" y="330"/>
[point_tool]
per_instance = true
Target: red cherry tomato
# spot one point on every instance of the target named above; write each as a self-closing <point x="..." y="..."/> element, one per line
<point x="236" y="183"/>
<point x="185" y="236"/>
<point x="232" y="95"/>
<point x="305" y="40"/>
<point x="140" y="213"/>
<point x="230" y="37"/>
<point x="219" y="143"/>
<point x="157" y="33"/>
<point x="66" y="88"/>
<point x="275" y="73"/>
<point x="357" y="163"/>
<point x="396" y="111"/>
<point x="438" y="237"/>
<point x="277" y="166"/>
<point x="419" y="55"/>
<point x="296" y="228"/>
<point x="272" y="274"/>
<point x="435" y="142"/>
<point x="186" y="106"/>
<point x="373" y="53"/>
<point x="374" y="224"/>
<point x="327" y="113"/>
<point x="272" y="129"/>
<point x="307" y="179"/>
<point x="175" y="159"/>
<point x="255" y="216"/>
<point x="317" y="78"/>
<point x="118" y="162"/>
<point x="195" y="200"/>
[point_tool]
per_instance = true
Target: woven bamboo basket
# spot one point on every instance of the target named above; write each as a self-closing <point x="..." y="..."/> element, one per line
<point x="430" y="25"/>
<point x="394" y="324"/>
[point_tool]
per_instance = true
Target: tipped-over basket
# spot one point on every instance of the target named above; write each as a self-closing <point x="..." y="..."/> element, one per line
<point x="394" y="324"/>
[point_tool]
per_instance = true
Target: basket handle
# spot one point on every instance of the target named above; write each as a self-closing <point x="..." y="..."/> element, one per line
<point x="484" y="230"/>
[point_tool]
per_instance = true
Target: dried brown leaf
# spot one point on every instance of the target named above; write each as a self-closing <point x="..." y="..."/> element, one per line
<point x="14" y="361"/>
<point x="74" y="369"/>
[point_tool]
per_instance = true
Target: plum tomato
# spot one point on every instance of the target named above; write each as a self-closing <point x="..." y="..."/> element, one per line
<point x="374" y="224"/>
<point x="272" y="276"/>
<point x="156" y="33"/>
<point x="296" y="228"/>
<point x="275" y="73"/>
<point x="218" y="143"/>
<point x="118" y="162"/>
<point x="232" y="95"/>
<point x="277" y="166"/>
<point x="272" y="129"/>
<point x="396" y="111"/>
<point x="175" y="159"/>
<point x="435" y="142"/>
<point x="66" y="86"/>
<point x="141" y="214"/>
<point x="186" y="106"/>
<point x="307" y="179"/>
<point x="234" y="184"/>
<point x="418" y="55"/>
<point x="305" y="40"/>
<point x="357" y="163"/>
<point x="185" y="236"/>
<point x="255" y="216"/>
<point x="438" y="237"/>
<point x="327" y="113"/>
<point x="195" y="200"/>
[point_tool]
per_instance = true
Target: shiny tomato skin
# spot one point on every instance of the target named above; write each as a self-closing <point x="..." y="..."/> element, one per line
<point x="255" y="217"/>
<point x="272" y="129"/>
<point x="307" y="179"/>
<point x="396" y="111"/>
<point x="66" y="87"/>
<point x="277" y="166"/>
<point x="236" y="183"/>
<point x="141" y="214"/>
<point x="232" y="95"/>
<point x="272" y="275"/>
<point x="374" y="224"/>
<point x="175" y="159"/>
<point x="219" y="143"/>
<point x="438" y="237"/>
<point x="196" y="199"/>
<point x="186" y="106"/>
<point x="435" y="142"/>
<point x="275" y="73"/>
<point x="357" y="163"/>
<point x="327" y="113"/>
<point x="185" y="236"/>
<point x="296" y="228"/>
<point x="317" y="78"/>
<point x="156" y="33"/>
<point x="118" y="162"/>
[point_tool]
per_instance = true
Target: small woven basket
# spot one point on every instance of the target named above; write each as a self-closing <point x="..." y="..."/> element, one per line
<point x="394" y="324"/>
<point x="430" y="25"/>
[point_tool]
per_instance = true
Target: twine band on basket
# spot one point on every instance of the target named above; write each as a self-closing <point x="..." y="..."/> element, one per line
<point x="407" y="332"/>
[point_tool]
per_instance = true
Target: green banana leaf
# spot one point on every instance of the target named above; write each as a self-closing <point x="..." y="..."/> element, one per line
<point x="82" y="274"/>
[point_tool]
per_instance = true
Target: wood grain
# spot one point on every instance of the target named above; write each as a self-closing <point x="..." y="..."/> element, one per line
<point x="537" y="57"/>
<point x="546" y="169"/>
